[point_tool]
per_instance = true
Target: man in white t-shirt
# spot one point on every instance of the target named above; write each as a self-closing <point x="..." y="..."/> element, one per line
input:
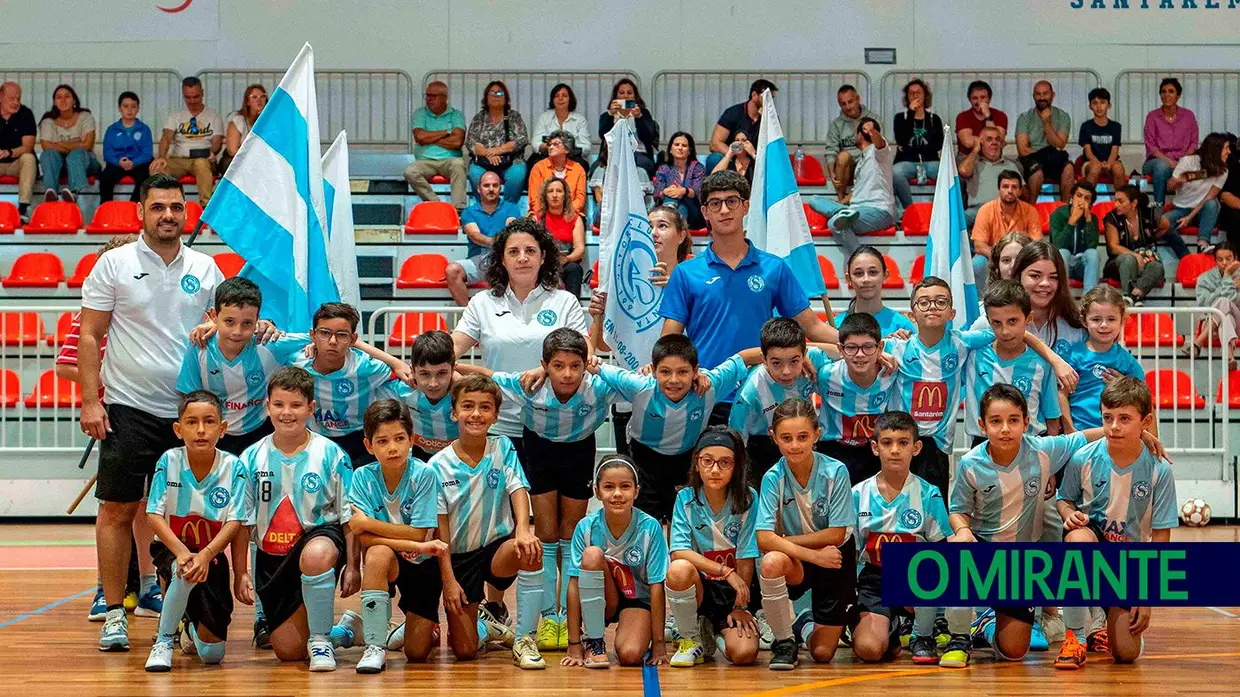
<point x="869" y="206"/>
<point x="191" y="141"/>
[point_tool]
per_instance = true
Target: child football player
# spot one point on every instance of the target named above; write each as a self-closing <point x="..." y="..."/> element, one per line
<point x="616" y="572"/>
<point x="434" y="361"/>
<point x="196" y="507"/>
<point x="1118" y="490"/>
<point x="1099" y="357"/>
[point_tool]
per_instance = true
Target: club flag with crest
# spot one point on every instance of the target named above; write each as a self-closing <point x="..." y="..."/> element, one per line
<point x="269" y="207"/>
<point x="341" y="251"/>
<point x="776" y="220"/>
<point x="631" y="322"/>
<point x="948" y="254"/>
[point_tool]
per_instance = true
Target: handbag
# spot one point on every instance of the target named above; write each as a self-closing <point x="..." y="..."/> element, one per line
<point x="505" y="160"/>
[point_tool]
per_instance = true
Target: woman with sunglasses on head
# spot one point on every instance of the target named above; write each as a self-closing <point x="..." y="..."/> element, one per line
<point x="496" y="139"/>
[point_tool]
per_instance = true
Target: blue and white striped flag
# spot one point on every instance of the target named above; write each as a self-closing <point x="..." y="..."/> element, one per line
<point x="269" y="207"/>
<point x="776" y="220"/>
<point x="341" y="251"/>
<point x="948" y="254"/>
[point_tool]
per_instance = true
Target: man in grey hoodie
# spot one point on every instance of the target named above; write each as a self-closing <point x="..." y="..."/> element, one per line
<point x="842" y="149"/>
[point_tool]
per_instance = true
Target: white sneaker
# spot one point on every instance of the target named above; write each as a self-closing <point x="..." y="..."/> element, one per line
<point x="160" y="660"/>
<point x="669" y="629"/>
<point x="396" y="637"/>
<point x="765" y="636"/>
<point x="689" y="653"/>
<point x="185" y="638"/>
<point x="374" y="660"/>
<point x="525" y="654"/>
<point x="1054" y="628"/>
<point x="114" y="636"/>
<point x="322" y="657"/>
<point x="497" y="631"/>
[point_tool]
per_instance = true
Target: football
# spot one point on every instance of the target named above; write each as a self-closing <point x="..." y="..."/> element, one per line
<point x="1195" y="513"/>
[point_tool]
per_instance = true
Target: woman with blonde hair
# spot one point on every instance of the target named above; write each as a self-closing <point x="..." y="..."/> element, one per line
<point x="241" y="122"/>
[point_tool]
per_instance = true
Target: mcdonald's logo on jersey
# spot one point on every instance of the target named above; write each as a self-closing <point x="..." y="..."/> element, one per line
<point x="874" y="544"/>
<point x="727" y="557"/>
<point x="857" y="430"/>
<point x="929" y="400"/>
<point x="194" y="530"/>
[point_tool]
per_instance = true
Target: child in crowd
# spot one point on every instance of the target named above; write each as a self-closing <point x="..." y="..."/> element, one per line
<point x="865" y="273"/>
<point x="1220" y="288"/>
<point x="434" y="362"/>
<point x="1099" y="358"/>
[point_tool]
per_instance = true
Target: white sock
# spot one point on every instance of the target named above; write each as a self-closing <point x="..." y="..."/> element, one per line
<point x="777" y="606"/>
<point x="959" y="620"/>
<point x="684" y="611"/>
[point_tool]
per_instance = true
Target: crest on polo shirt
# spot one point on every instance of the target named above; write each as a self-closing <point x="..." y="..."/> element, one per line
<point x="406" y="508"/>
<point x="695" y="414"/>
<point x="493" y="478"/>
<point x="820" y="507"/>
<point x="546" y="317"/>
<point x="911" y="518"/>
<point x="190" y="284"/>
<point x="877" y="399"/>
<point x="219" y="497"/>
<point x="311" y="482"/>
<point x="1033" y="487"/>
<point x="584" y="410"/>
<point x="255" y="379"/>
<point x="756" y="283"/>
<point x="1141" y="490"/>
<point x="342" y="388"/>
<point x="731" y="531"/>
<point x="632" y="556"/>
<point x="949" y="363"/>
<point x="1024" y="384"/>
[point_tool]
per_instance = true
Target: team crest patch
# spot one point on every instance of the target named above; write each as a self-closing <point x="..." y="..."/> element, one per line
<point x="219" y="497"/>
<point x="1024" y="384"/>
<point x="311" y="482"/>
<point x="255" y="379"/>
<point x="756" y="283"/>
<point x="1141" y="490"/>
<point x="342" y="388"/>
<point x="820" y="508"/>
<point x="911" y="518"/>
<point x="1098" y="371"/>
<point x="695" y="415"/>
<point x="584" y="410"/>
<point x="632" y="556"/>
<point x="406" y="508"/>
<point x="949" y="363"/>
<point x="877" y="399"/>
<point x="190" y="284"/>
<point x="1033" y="487"/>
<point x="1061" y="345"/>
<point x="731" y="531"/>
<point x="493" y="479"/>
<point x="546" y="317"/>
<point x="637" y="296"/>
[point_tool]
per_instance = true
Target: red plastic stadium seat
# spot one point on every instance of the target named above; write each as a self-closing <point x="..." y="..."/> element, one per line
<point x="916" y="220"/>
<point x="115" y="218"/>
<point x="918" y="271"/>
<point x="83" y="269"/>
<point x="63" y="324"/>
<point x="1174" y="389"/>
<point x="438" y="179"/>
<point x="407" y="327"/>
<point x="699" y="232"/>
<point x="35" y="270"/>
<point x="1157" y="329"/>
<point x="10" y="389"/>
<point x="829" y="278"/>
<point x="21" y="329"/>
<point x="894" y="280"/>
<point x="193" y="212"/>
<point x="423" y="271"/>
<point x="55" y="217"/>
<point x="433" y="218"/>
<point x="1101" y="209"/>
<point x="1045" y="208"/>
<point x="187" y="180"/>
<point x="811" y="171"/>
<point x="7" y="179"/>
<point x="1192" y="266"/>
<point x="817" y="221"/>
<point x="230" y="263"/>
<point x="1233" y="390"/>
<point x="10" y="218"/>
<point x="52" y="392"/>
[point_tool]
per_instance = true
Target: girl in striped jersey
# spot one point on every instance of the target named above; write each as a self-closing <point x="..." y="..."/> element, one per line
<point x="714" y="549"/>
<point x="866" y="272"/>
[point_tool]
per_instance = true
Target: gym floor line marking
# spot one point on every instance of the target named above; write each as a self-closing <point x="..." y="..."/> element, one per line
<point x="1221" y="611"/>
<point x="47" y="543"/>
<point x="45" y="608"/>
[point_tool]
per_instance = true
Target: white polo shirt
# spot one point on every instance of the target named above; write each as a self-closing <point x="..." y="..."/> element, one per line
<point x="154" y="306"/>
<point x="511" y="334"/>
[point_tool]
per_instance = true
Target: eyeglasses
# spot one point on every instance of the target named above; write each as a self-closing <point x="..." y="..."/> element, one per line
<point x="862" y="349"/>
<point x="724" y="464"/>
<point x="941" y="302"/>
<point x="497" y="93"/>
<point x="732" y="202"/>
<point x="436" y="94"/>
<point x="328" y="335"/>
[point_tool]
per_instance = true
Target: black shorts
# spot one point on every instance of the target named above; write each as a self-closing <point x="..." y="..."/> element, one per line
<point x="472" y="569"/>
<point x="720" y="414"/>
<point x="128" y="455"/>
<point x="626" y="604"/>
<point x="277" y="578"/>
<point x="763" y="454"/>
<point x="567" y="468"/>
<point x="354" y="446"/>
<point x="420" y="587"/>
<point x="238" y="444"/>
<point x="661" y="477"/>
<point x="718" y="601"/>
<point x="1049" y="160"/>
<point x="932" y="465"/>
<point x="860" y="460"/>
<point x="835" y="590"/>
<point x="619" y="429"/>
<point x="1020" y="614"/>
<point x="1102" y="539"/>
<point x="870" y="594"/>
<point x="210" y="602"/>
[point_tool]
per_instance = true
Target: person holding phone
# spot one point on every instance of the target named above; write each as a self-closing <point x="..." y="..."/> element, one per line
<point x="868" y="207"/>
<point x="627" y="102"/>
<point x="127" y="150"/>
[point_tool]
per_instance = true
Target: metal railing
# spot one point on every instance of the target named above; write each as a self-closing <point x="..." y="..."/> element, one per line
<point x="158" y="90"/>
<point x="1213" y="96"/>
<point x="38" y="411"/>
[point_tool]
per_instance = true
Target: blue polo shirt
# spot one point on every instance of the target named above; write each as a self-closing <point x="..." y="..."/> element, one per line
<point x="722" y="308"/>
<point x="489" y="224"/>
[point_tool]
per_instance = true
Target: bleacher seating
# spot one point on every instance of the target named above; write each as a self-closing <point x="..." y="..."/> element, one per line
<point x="1233" y="390"/>
<point x="1213" y="96"/>
<point x="433" y="218"/>
<point x="160" y="91"/>
<point x="35" y="270"/>
<point x="1101" y="209"/>
<point x="63" y="324"/>
<point x="51" y="392"/>
<point x="21" y="329"/>
<point x="55" y="217"/>
<point x="1156" y="329"/>
<point x="230" y="263"/>
<point x="916" y="219"/>
<point x="829" y="277"/>
<point x="817" y="222"/>
<point x="423" y="271"/>
<point x="10" y="388"/>
<point x="1045" y="209"/>
<point x="82" y="270"/>
<point x="1173" y="389"/>
<point x="918" y="271"/>
<point x="193" y="213"/>
<point x="10" y="218"/>
<point x="115" y="218"/>
<point x="811" y="171"/>
<point x="894" y="280"/>
<point x="408" y="326"/>
<point x="1192" y="266"/>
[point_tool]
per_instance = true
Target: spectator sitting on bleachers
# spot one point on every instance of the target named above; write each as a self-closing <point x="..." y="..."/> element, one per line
<point x="918" y="134"/>
<point x="481" y="220"/>
<point x="438" y="134"/>
<point x="496" y="141"/>
<point x="1041" y="141"/>
<point x="746" y="117"/>
<point x="17" y="134"/>
<point x="559" y="215"/>
<point x="191" y="141"/>
<point x="1170" y="133"/>
<point x="561" y="115"/>
<point x="1100" y="140"/>
<point x="127" y="150"/>
<point x="678" y="181"/>
<point x="67" y="137"/>
<point x="1197" y="181"/>
<point x="981" y="169"/>
<point x="1220" y="288"/>
<point x="1229" y="198"/>
<point x="1132" y="233"/>
<point x="1007" y="213"/>
<point x="647" y="128"/>
<point x="741" y="157"/>
<point x="868" y="208"/>
<point x="239" y="123"/>
<point x="557" y="165"/>
<point x="979" y="115"/>
<point x="1075" y="231"/>
<point x="842" y="149"/>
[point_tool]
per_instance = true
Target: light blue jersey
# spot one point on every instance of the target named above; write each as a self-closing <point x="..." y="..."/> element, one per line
<point x="342" y="396"/>
<point x="413" y="502"/>
<point x="433" y="427"/>
<point x="196" y="510"/>
<point x="888" y="321"/>
<point x="662" y="425"/>
<point x="477" y="500"/>
<point x="916" y="514"/>
<point x="561" y="422"/>
<point x="1028" y="372"/>
<point x="1085" y="401"/>
<point x="929" y="379"/>
<point x="286" y="496"/>
<point x="826" y="501"/>
<point x="636" y="560"/>
<point x="1126" y="503"/>
<point x="760" y="394"/>
<point x="241" y="384"/>
<point x="1004" y="504"/>
<point x="848" y="410"/>
<point x="723" y="537"/>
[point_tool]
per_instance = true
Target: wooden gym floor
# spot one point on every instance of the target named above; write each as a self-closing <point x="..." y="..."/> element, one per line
<point x="47" y="579"/>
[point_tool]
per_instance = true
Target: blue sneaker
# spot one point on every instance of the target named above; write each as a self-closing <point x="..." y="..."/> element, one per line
<point x="1037" y="639"/>
<point x="150" y="603"/>
<point x="99" y="607"/>
<point x="983" y="630"/>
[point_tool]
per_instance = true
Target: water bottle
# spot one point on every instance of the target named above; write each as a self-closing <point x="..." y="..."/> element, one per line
<point x="921" y="173"/>
<point x="798" y="159"/>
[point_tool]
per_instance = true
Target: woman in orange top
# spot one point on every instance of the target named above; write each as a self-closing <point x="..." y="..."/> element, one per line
<point x="559" y="215"/>
<point x="558" y="166"/>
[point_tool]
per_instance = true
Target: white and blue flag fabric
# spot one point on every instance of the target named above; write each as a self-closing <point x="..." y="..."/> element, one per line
<point x="948" y="254"/>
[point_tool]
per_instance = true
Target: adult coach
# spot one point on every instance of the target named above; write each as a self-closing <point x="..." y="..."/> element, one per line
<point x="146" y="297"/>
<point x="721" y="297"/>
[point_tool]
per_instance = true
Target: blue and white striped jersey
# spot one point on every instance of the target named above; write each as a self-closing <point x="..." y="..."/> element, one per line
<point x="723" y="537"/>
<point x="1004" y="504"/>
<point x="848" y="410"/>
<point x="477" y="500"/>
<point x="196" y="510"/>
<point x="241" y="384"/>
<point x="636" y="560"/>
<point x="916" y="514"/>
<point x="928" y="380"/>
<point x="1127" y="503"/>
<point x="413" y="502"/>
<point x="433" y="427"/>
<point x="760" y="394"/>
<point x="286" y="496"/>
<point x="826" y="501"/>
<point x="659" y="423"/>
<point x="1028" y="372"/>
<point x="889" y="321"/>
<point x="561" y="422"/>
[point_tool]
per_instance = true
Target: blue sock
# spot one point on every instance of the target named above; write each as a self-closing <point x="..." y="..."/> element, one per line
<point x="376" y="611"/>
<point x="590" y="585"/>
<point x="529" y="601"/>
<point x="566" y="553"/>
<point x="551" y="569"/>
<point x="208" y="653"/>
<point x="318" y="593"/>
<point x="175" y="601"/>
